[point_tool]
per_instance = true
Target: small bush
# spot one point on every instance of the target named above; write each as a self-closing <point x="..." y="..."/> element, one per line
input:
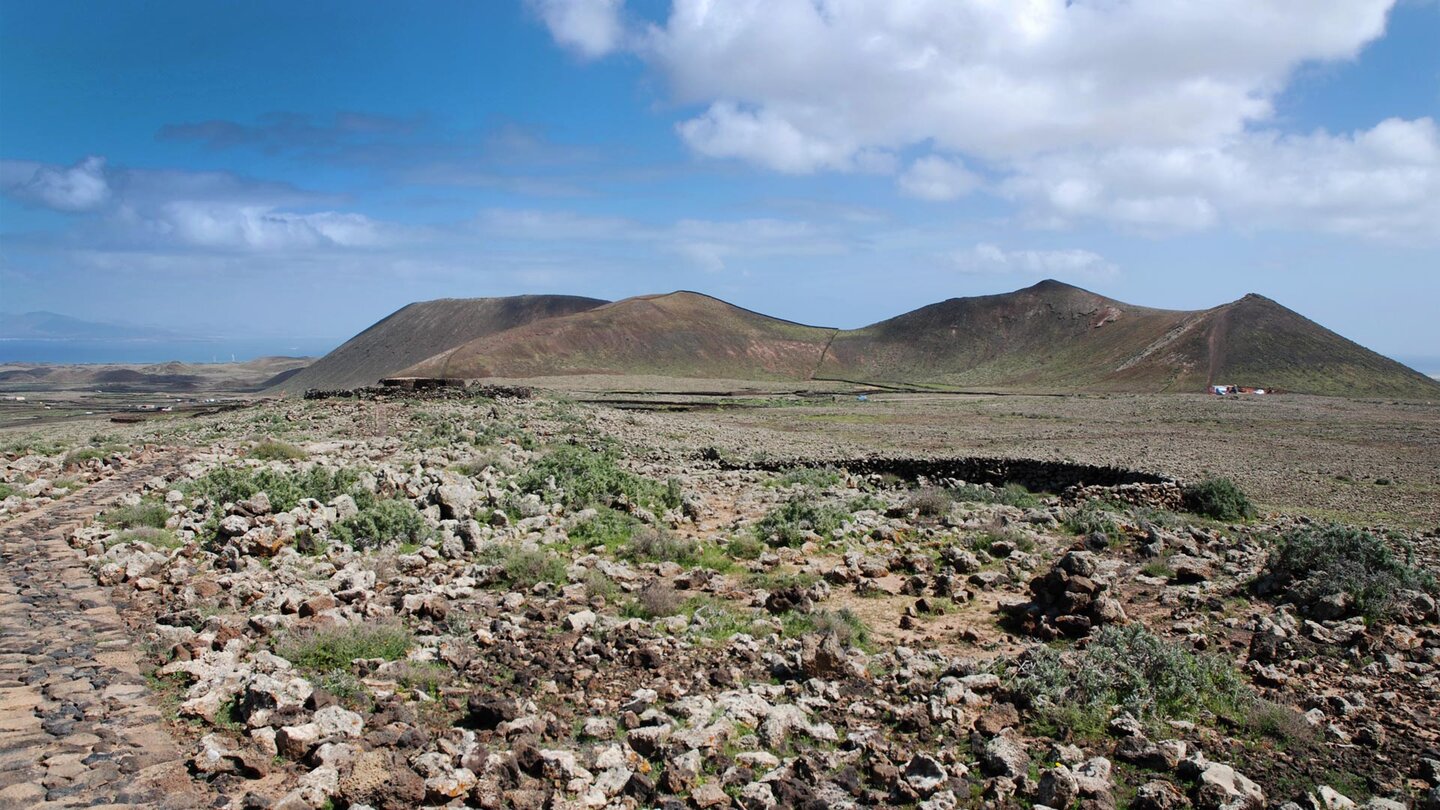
<point x="789" y="524"/>
<point x="779" y="580"/>
<point x="1312" y="565"/>
<point x="425" y="676"/>
<point x="1126" y="668"/>
<point x="274" y="450"/>
<point x="745" y="547"/>
<point x="1278" y="722"/>
<point x="930" y="502"/>
<point x="1017" y="538"/>
<point x="847" y="627"/>
<point x="1220" y="499"/>
<point x="656" y="601"/>
<point x="717" y="619"/>
<point x="609" y="528"/>
<point x="585" y="477"/>
<point x="813" y="477"/>
<point x="333" y="648"/>
<point x="654" y="545"/>
<point x="160" y="538"/>
<point x="1011" y="494"/>
<point x="865" y="503"/>
<point x="6" y="490"/>
<point x="224" y="485"/>
<point x="77" y="457"/>
<point x="381" y="523"/>
<point x="32" y="445"/>
<point x="145" y="513"/>
<point x="1158" y="568"/>
<point x="598" y="584"/>
<point x="524" y="568"/>
<point x="1091" y="519"/>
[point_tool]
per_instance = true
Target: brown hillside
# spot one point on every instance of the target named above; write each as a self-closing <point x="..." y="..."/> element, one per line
<point x="423" y="329"/>
<point x="1051" y="336"/>
<point x="1257" y="342"/>
<point x="682" y="334"/>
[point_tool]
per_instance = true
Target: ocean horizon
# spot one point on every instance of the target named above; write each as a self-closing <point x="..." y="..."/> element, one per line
<point x="194" y="350"/>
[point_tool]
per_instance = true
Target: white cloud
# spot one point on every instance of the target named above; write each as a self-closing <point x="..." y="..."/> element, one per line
<point x="987" y="259"/>
<point x="591" y="28"/>
<point x="995" y="80"/>
<point x="213" y="210"/>
<point x="939" y="179"/>
<point x="1156" y="116"/>
<point x="1379" y="183"/>
<point x="78" y="188"/>
<point x="264" y="229"/>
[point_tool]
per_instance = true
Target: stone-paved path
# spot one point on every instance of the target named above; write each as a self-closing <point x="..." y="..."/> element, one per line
<point x="78" y="725"/>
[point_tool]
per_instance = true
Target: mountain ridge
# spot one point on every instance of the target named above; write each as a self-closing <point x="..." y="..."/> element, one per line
<point x="1049" y="336"/>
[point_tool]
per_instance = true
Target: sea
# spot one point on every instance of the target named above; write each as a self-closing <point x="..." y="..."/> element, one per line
<point x="195" y="350"/>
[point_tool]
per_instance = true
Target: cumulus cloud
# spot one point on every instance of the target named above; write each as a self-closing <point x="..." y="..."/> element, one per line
<point x="591" y="28"/>
<point x="74" y="189"/>
<point x="998" y="80"/>
<point x="1154" y="116"/>
<point x="263" y="229"/>
<point x="937" y="178"/>
<point x="217" y="210"/>
<point x="1382" y="183"/>
<point x="987" y="259"/>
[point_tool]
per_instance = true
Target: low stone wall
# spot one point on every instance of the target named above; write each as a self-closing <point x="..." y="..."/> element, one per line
<point x="1074" y="482"/>
<point x="454" y="390"/>
<point x="1035" y="474"/>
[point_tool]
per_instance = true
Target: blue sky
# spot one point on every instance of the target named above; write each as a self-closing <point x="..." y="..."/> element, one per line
<point x="281" y="169"/>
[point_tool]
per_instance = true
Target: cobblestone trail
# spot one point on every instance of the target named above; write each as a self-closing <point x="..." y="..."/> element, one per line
<point x="78" y="725"/>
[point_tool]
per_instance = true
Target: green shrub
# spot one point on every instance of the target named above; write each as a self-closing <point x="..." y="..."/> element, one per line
<point x="745" y="547"/>
<point x="6" y="490"/>
<point x="589" y="477"/>
<point x="1220" y="499"/>
<point x="224" y="485"/>
<point x="333" y="648"/>
<point x="77" y="457"/>
<point x="1011" y="494"/>
<point x="422" y="676"/>
<point x="865" y="503"/>
<point x="145" y="513"/>
<point x="1313" y="564"/>
<point x="609" y="527"/>
<point x="1017" y="538"/>
<point x="813" y="477"/>
<point x="1124" y="668"/>
<point x="505" y="433"/>
<point x="788" y="524"/>
<point x="598" y="584"/>
<point x="160" y="538"/>
<point x="524" y="568"/>
<point x="33" y="445"/>
<point x="649" y="544"/>
<point x="847" y="627"/>
<point x="274" y="450"/>
<point x="779" y="580"/>
<point x="393" y="520"/>
<point x="1090" y="519"/>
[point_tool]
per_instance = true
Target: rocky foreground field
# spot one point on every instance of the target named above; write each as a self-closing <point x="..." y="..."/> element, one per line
<point x="534" y="603"/>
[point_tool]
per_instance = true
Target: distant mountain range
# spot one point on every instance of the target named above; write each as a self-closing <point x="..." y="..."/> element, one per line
<point x="1050" y="337"/>
<point x="53" y="326"/>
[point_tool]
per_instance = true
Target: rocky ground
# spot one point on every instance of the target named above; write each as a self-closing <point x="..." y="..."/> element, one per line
<point x="507" y="603"/>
